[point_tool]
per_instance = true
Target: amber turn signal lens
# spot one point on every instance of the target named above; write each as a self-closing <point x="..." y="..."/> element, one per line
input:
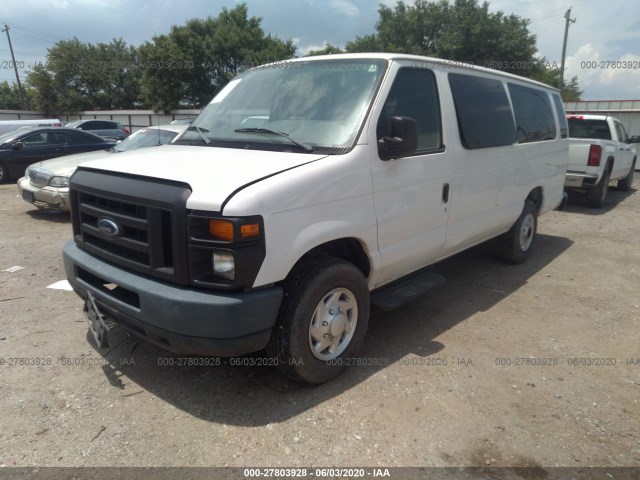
<point x="250" y="230"/>
<point x="221" y="229"/>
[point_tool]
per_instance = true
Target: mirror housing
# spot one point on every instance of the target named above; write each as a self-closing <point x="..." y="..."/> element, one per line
<point x="403" y="140"/>
<point x="17" y="145"/>
<point x="635" y="139"/>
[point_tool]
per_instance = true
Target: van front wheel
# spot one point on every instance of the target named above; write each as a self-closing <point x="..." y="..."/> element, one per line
<point x="322" y="321"/>
<point x="515" y="246"/>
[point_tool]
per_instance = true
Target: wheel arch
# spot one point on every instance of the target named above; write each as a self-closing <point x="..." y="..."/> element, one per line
<point x="536" y="196"/>
<point x="609" y="165"/>
<point x="349" y="249"/>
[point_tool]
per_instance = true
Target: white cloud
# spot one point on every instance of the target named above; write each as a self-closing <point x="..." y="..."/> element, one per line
<point x="605" y="75"/>
<point x="305" y="50"/>
<point x="345" y="7"/>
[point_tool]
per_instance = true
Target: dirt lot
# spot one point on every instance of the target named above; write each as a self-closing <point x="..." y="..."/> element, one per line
<point x="529" y="365"/>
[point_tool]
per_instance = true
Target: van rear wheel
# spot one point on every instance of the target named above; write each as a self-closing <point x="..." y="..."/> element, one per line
<point x="322" y="321"/>
<point x="515" y="246"/>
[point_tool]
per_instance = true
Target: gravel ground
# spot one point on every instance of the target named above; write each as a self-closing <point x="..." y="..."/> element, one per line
<point x="531" y="365"/>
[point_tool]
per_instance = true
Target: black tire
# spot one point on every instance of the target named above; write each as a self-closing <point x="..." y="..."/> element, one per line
<point x="515" y="246"/>
<point x="300" y="355"/>
<point x="597" y="196"/>
<point x="625" y="184"/>
<point x="4" y="174"/>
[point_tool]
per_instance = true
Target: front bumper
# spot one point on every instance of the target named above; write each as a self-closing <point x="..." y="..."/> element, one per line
<point x="181" y="319"/>
<point x="45" y="197"/>
<point x="580" y="180"/>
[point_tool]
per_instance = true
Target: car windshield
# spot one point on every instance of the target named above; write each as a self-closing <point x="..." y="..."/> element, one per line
<point x="291" y="106"/>
<point x="7" y="137"/>
<point x="149" y="137"/>
<point x="74" y="123"/>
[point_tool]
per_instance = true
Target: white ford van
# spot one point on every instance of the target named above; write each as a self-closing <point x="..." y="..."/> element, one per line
<point x="305" y="192"/>
<point x="10" y="125"/>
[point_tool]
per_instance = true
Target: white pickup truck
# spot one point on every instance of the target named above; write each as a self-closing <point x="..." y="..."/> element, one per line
<point x="600" y="152"/>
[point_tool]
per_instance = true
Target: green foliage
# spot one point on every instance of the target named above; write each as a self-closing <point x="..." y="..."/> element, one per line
<point x="81" y="76"/>
<point x="464" y="30"/>
<point x="10" y="96"/>
<point x="550" y="74"/>
<point x="186" y="67"/>
<point x="327" y="50"/>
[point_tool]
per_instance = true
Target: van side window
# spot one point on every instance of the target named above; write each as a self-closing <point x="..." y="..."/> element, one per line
<point x="414" y="94"/>
<point x="534" y="118"/>
<point x="483" y="111"/>
<point x="562" y="119"/>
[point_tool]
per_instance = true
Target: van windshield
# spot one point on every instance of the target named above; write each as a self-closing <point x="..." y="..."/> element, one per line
<point x="300" y="106"/>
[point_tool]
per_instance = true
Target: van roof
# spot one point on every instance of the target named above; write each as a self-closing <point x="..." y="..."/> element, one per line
<point x="449" y="64"/>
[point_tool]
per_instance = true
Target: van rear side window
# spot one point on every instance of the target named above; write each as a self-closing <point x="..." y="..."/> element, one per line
<point x="534" y="117"/>
<point x="483" y="111"/>
<point x="562" y="119"/>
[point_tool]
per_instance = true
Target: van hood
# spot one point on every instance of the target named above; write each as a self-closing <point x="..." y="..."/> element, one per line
<point x="212" y="173"/>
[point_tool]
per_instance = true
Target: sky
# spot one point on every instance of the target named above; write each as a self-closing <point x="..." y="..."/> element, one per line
<point x="603" y="48"/>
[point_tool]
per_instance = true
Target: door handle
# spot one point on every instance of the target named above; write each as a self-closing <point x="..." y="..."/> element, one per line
<point x="445" y="193"/>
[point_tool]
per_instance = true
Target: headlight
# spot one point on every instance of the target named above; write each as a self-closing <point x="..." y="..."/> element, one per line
<point x="59" y="182"/>
<point x="30" y="172"/>
<point x="223" y="265"/>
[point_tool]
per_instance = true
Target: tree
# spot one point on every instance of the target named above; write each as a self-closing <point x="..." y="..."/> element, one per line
<point x="80" y="76"/>
<point x="549" y="73"/>
<point x="186" y="67"/>
<point x="10" y="96"/>
<point x="464" y="30"/>
<point x="328" y="49"/>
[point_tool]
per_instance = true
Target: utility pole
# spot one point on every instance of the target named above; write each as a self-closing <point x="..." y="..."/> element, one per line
<point x="15" y="66"/>
<point x="568" y="22"/>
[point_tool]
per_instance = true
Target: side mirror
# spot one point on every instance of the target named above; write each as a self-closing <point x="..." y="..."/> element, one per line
<point x="17" y="146"/>
<point x="403" y="140"/>
<point x="635" y="139"/>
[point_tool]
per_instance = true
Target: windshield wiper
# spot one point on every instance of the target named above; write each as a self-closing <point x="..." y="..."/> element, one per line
<point x="306" y="146"/>
<point x="201" y="131"/>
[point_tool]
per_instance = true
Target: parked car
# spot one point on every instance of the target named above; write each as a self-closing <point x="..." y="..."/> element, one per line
<point x="183" y="121"/>
<point x="46" y="184"/>
<point x="104" y="128"/>
<point x="20" y="148"/>
<point x="363" y="172"/>
<point x="11" y="125"/>
<point x="600" y="152"/>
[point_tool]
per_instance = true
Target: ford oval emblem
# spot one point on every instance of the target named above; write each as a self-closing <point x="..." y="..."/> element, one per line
<point x="108" y="227"/>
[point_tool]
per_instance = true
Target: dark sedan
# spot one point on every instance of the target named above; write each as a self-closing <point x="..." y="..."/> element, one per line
<point x="20" y="148"/>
